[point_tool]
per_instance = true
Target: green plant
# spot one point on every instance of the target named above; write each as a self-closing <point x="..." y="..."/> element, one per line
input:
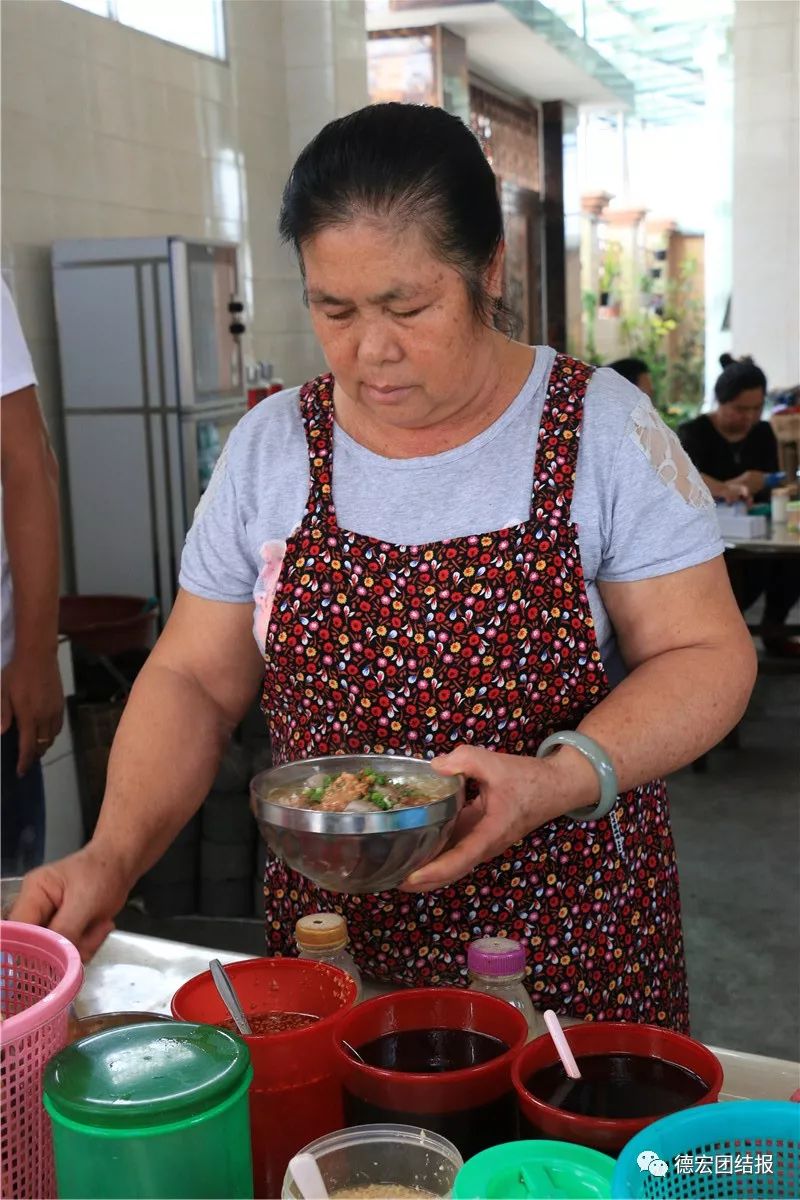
<point x="611" y="269"/>
<point x="590" y="311"/>
<point x="678" y="377"/>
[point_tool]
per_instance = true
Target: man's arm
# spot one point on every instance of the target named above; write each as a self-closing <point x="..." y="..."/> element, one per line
<point x="31" y="693"/>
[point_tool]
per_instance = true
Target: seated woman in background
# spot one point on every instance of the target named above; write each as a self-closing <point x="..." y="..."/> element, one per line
<point x="636" y="371"/>
<point x="735" y="450"/>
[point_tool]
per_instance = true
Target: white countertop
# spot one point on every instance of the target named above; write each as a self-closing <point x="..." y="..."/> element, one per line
<point x="133" y="972"/>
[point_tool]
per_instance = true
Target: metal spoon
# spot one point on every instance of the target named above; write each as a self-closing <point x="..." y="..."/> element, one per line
<point x="351" y="1050"/>
<point x="229" y="997"/>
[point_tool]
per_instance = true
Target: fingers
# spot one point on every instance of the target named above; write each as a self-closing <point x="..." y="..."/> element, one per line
<point x="95" y="936"/>
<point x="79" y="920"/>
<point x="7" y="710"/>
<point x="29" y="747"/>
<point x="479" y="845"/>
<point x="38" y="899"/>
<point x="473" y="761"/>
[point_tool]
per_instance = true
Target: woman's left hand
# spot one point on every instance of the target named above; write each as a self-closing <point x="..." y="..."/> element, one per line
<point x="517" y="795"/>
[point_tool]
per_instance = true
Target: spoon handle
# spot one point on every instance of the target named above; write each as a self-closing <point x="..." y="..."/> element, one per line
<point x="229" y="997"/>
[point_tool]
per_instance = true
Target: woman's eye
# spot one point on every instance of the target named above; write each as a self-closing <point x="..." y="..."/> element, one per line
<point x="340" y="316"/>
<point x="412" y="312"/>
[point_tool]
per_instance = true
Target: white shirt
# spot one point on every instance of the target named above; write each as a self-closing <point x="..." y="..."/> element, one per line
<point x="16" y="372"/>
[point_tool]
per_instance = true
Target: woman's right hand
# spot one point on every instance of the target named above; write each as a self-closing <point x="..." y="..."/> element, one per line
<point x="733" y="491"/>
<point x="78" y="896"/>
<point x="754" y="481"/>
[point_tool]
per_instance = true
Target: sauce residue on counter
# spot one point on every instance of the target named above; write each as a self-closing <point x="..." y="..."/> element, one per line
<point x="274" y="1022"/>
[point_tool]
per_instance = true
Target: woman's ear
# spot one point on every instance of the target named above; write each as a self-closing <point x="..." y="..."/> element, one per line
<point x="494" y="273"/>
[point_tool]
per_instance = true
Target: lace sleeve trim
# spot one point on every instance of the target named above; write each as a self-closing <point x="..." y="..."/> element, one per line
<point x="667" y="456"/>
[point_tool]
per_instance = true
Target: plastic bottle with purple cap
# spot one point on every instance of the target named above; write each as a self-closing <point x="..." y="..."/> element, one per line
<point x="497" y="967"/>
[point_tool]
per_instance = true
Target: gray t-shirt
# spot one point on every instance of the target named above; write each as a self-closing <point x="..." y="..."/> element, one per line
<point x="636" y="517"/>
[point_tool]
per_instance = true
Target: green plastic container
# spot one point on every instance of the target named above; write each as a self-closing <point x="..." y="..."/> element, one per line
<point x="151" y="1112"/>
<point x="540" y="1170"/>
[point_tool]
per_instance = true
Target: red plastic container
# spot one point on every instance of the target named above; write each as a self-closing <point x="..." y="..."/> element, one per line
<point x="474" y="1107"/>
<point x="295" y="1096"/>
<point x="108" y="624"/>
<point x="607" y="1037"/>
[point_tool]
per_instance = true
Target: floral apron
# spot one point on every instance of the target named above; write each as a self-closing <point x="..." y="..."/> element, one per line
<point x="486" y="639"/>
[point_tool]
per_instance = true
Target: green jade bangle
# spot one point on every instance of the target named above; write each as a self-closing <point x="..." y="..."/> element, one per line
<point x="601" y="763"/>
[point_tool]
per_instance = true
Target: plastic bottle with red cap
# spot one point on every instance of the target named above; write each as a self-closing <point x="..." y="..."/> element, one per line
<point x="497" y="967"/>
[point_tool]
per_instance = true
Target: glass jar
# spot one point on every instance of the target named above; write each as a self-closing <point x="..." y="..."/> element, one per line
<point x="497" y="967"/>
<point x="322" y="937"/>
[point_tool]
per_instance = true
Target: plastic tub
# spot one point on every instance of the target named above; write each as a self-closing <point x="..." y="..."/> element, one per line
<point x="370" y="1155"/>
<point x="40" y="976"/>
<point x="151" y="1110"/>
<point x="108" y="624"/>
<point x="547" y="1170"/>
<point x="82" y="1027"/>
<point x="295" y="1095"/>
<point x="739" y="1148"/>
<point x="474" y="1106"/>
<point x="598" y="1038"/>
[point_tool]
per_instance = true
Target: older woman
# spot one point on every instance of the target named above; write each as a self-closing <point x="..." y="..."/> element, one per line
<point x="454" y="545"/>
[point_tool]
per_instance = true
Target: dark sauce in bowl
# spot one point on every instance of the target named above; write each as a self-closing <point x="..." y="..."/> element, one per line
<point x="431" y="1051"/>
<point x="436" y="1052"/>
<point x="618" y="1087"/>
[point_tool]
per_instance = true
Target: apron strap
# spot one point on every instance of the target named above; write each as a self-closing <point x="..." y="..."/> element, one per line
<point x="557" y="443"/>
<point x="316" y="409"/>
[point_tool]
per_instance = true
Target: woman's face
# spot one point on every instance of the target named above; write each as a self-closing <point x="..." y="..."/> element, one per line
<point x="395" y="322"/>
<point x="736" y="418"/>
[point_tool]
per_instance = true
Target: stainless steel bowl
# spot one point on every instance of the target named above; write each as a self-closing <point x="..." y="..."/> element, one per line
<point x="356" y="852"/>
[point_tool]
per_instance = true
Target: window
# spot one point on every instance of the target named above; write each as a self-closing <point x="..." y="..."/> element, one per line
<point x="196" y="24"/>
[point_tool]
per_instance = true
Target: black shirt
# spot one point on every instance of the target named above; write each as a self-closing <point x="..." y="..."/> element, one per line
<point x="714" y="455"/>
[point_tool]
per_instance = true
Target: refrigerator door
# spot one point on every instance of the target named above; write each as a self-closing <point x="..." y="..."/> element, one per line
<point x="111" y="465"/>
<point x="203" y="436"/>
<point x="205" y="284"/>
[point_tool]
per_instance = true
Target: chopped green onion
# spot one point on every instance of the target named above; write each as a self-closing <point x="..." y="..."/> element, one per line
<point x="381" y="778"/>
<point x="314" y="794"/>
<point x="380" y="801"/>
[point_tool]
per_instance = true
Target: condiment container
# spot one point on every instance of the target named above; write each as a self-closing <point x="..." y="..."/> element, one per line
<point x="401" y="1156"/>
<point x="323" y="937"/>
<point x="151" y="1112"/>
<point x="546" y="1170"/>
<point x="599" y="1039"/>
<point x="422" y="1032"/>
<point x="295" y="1094"/>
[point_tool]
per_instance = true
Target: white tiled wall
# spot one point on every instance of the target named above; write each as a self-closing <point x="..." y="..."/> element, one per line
<point x="766" y="187"/>
<point x="107" y="131"/>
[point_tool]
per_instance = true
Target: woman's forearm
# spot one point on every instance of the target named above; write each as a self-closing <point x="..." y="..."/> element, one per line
<point x="671" y="709"/>
<point x="163" y="762"/>
<point x="717" y="487"/>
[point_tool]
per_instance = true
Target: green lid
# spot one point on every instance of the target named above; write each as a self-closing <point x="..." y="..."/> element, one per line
<point x="544" y="1170"/>
<point x="145" y="1075"/>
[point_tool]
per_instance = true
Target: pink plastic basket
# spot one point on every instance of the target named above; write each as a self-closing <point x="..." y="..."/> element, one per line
<point x="40" y="976"/>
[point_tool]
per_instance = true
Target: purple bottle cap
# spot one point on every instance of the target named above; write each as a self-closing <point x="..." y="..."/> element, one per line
<point x="496" y="956"/>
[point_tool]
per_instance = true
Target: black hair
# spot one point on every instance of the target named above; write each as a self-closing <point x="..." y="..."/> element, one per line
<point x="415" y="163"/>
<point x="738" y="375"/>
<point x="630" y="368"/>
